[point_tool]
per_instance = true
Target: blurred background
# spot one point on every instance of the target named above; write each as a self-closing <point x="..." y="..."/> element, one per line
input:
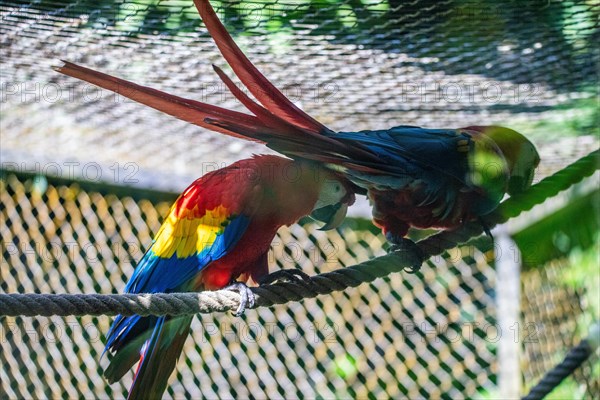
<point x="87" y="176"/>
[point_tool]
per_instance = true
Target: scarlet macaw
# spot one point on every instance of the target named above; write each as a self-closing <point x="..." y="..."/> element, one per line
<point x="412" y="176"/>
<point x="219" y="230"/>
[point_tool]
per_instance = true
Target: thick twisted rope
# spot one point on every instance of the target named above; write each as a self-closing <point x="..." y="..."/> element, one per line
<point x="573" y="360"/>
<point x="556" y="375"/>
<point x="283" y="292"/>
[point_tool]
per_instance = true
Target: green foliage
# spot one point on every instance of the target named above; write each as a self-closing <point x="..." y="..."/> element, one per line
<point x="578" y="22"/>
<point x="583" y="276"/>
<point x="568" y="389"/>
<point x="572" y="233"/>
<point x="557" y="235"/>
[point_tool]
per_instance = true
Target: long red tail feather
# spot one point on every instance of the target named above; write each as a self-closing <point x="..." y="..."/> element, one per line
<point x="292" y="133"/>
<point x="264" y="91"/>
<point x="195" y="112"/>
<point x="279" y="124"/>
<point x="261" y="113"/>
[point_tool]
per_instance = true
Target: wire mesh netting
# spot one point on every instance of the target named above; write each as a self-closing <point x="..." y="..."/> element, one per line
<point x="429" y="335"/>
<point x="547" y="299"/>
<point x="350" y="64"/>
<point x="395" y="337"/>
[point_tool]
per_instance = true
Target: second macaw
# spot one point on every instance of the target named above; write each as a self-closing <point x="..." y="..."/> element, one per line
<point x="413" y="176"/>
<point x="217" y="233"/>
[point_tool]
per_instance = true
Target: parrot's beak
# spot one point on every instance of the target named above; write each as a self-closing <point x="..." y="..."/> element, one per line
<point x="518" y="184"/>
<point x="521" y="179"/>
<point x="332" y="215"/>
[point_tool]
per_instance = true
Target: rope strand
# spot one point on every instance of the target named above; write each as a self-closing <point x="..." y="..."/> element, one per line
<point x="556" y="375"/>
<point x="573" y="360"/>
<point x="15" y="304"/>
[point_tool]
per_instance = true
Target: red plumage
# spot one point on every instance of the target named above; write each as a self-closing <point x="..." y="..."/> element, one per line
<point x="218" y="232"/>
<point x="445" y="186"/>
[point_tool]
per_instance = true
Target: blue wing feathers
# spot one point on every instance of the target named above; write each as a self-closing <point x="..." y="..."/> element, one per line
<point x="414" y="151"/>
<point x="154" y="274"/>
<point x="230" y="237"/>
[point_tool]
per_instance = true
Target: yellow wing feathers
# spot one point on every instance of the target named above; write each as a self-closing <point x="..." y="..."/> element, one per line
<point x="186" y="235"/>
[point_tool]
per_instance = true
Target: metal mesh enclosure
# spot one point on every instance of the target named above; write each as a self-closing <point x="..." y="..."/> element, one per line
<point x="87" y="176"/>
<point x="398" y="337"/>
<point x="351" y="64"/>
<point x="546" y="301"/>
<point x="429" y="335"/>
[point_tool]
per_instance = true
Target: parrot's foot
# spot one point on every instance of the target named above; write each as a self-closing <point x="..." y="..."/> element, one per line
<point x="285" y="275"/>
<point x="408" y="248"/>
<point x="247" y="298"/>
